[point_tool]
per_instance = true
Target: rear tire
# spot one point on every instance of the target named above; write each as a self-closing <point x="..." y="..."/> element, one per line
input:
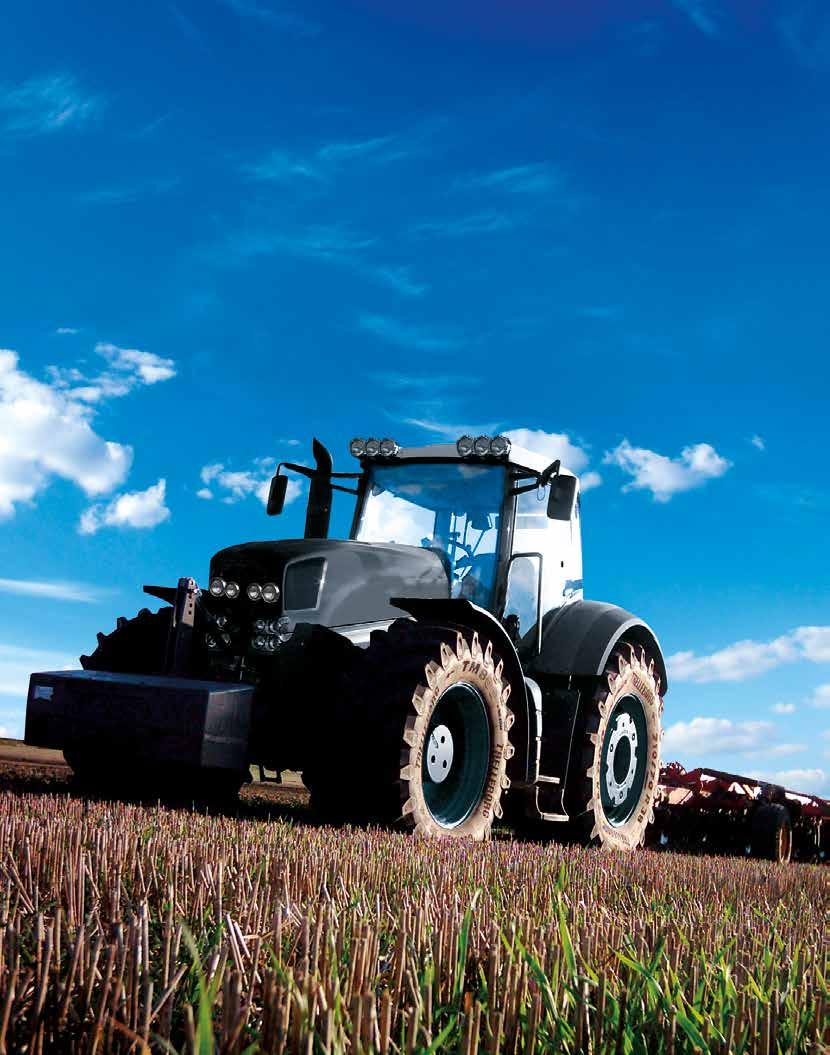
<point x="139" y="646"/>
<point x="611" y="799"/>
<point x="772" y="832"/>
<point x="136" y="646"/>
<point x="418" y="736"/>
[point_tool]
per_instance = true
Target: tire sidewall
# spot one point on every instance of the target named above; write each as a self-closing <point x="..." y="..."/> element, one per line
<point x="638" y="681"/>
<point x="463" y="664"/>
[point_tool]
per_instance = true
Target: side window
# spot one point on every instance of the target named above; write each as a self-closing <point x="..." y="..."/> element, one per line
<point x="521" y="610"/>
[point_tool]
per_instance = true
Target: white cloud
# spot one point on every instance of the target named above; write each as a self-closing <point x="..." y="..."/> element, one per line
<point x="716" y="735"/>
<point x="746" y="659"/>
<point x="783" y="708"/>
<point x="552" y="445"/>
<point x="134" y="509"/>
<point x="47" y="104"/>
<point x="821" y="697"/>
<point x="16" y="664"/>
<point x="559" y="445"/>
<point x="146" y="366"/>
<point x="56" y="590"/>
<point x="758" y="442"/>
<point x="234" y="485"/>
<point x="46" y="429"/>
<point x="664" y="476"/>
<point x="809" y="781"/>
<point x="64" y="330"/>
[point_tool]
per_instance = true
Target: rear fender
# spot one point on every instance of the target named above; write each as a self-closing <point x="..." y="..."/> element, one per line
<point x="578" y="639"/>
<point x="462" y="614"/>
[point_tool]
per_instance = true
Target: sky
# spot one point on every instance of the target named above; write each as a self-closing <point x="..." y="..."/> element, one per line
<point x="232" y="225"/>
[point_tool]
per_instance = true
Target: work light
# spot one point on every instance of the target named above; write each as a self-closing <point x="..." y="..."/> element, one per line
<point x="217" y="587"/>
<point x="232" y="590"/>
<point x="482" y="446"/>
<point x="270" y="593"/>
<point x="388" y="448"/>
<point x="254" y="591"/>
<point x="357" y="447"/>
<point x="372" y="448"/>
<point x="500" y="446"/>
<point x="465" y="446"/>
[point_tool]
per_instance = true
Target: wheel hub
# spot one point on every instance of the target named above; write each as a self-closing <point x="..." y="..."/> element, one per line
<point x="621" y="762"/>
<point x="440" y="750"/>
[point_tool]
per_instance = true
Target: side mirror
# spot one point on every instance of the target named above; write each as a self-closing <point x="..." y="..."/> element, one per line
<point x="561" y="497"/>
<point x="276" y="495"/>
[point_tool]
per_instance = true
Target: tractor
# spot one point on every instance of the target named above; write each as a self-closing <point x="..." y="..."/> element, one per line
<point x="436" y="671"/>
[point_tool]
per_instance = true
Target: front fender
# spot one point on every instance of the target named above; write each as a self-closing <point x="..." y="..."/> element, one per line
<point x="460" y="613"/>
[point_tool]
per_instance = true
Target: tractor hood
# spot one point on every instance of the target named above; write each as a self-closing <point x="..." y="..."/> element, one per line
<point x="332" y="581"/>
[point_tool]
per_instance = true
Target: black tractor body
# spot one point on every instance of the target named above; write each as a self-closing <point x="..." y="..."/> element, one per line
<point x="446" y="641"/>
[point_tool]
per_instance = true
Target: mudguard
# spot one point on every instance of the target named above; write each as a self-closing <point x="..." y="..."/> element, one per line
<point x="578" y="638"/>
<point x="461" y="613"/>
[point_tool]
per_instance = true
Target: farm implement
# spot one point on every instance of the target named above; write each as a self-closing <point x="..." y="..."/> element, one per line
<point x="726" y="813"/>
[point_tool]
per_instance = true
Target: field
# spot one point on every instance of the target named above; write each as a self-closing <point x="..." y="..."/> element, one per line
<point x="132" y="929"/>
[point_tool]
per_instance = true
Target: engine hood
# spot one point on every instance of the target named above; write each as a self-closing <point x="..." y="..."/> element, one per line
<point x="333" y="582"/>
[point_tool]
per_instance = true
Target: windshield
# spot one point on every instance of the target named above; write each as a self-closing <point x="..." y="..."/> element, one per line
<point x="445" y="506"/>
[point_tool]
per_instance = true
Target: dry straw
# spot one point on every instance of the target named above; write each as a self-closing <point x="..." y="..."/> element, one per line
<point x="130" y="929"/>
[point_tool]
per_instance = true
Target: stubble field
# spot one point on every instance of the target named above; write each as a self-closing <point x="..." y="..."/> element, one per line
<point x="132" y="928"/>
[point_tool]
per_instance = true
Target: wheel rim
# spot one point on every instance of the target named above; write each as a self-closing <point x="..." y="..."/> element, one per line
<point x="456" y="755"/>
<point x="623" y="760"/>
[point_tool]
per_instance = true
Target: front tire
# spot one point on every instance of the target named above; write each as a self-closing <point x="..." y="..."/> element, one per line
<point x="419" y="736"/>
<point x="613" y="803"/>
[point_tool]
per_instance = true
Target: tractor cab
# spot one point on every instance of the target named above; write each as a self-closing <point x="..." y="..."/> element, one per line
<point x="503" y="520"/>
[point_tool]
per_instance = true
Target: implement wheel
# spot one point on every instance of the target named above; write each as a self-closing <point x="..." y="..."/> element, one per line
<point x="772" y="832"/>
<point x="418" y="737"/>
<point x="612" y="798"/>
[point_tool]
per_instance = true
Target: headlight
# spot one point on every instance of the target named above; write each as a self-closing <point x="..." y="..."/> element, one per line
<point x="211" y="641"/>
<point x="465" y="446"/>
<point x="284" y="629"/>
<point x="232" y="590"/>
<point x="270" y="593"/>
<point x="357" y="447"/>
<point x="388" y="448"/>
<point x="217" y="587"/>
<point x="482" y="446"/>
<point x="261" y="625"/>
<point x="500" y="446"/>
<point x="372" y="448"/>
<point x="260" y="640"/>
<point x="254" y="591"/>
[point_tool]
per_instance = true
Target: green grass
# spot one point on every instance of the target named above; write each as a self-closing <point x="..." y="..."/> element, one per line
<point x="126" y="928"/>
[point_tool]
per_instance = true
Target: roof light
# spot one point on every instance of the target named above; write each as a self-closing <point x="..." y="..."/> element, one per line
<point x="217" y="587"/>
<point x="500" y="446"/>
<point x="232" y="590"/>
<point x="482" y="446"/>
<point x="388" y="448"/>
<point x="357" y="447"/>
<point x="270" y="593"/>
<point x="465" y="446"/>
<point x="372" y="449"/>
<point x="254" y="591"/>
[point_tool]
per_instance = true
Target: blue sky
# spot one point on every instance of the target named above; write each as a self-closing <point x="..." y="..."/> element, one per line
<point x="226" y="226"/>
